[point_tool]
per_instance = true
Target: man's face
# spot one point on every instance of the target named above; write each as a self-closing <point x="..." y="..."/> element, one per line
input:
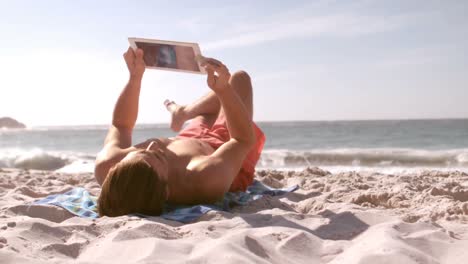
<point x="154" y="156"/>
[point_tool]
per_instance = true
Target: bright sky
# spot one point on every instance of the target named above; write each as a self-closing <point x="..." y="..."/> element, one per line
<point x="61" y="61"/>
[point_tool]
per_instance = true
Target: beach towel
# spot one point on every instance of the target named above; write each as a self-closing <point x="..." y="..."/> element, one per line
<point x="80" y="202"/>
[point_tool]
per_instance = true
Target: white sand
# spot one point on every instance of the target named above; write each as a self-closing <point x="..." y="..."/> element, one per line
<point x="340" y="218"/>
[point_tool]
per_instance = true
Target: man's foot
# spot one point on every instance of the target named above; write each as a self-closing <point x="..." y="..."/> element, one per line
<point x="178" y="115"/>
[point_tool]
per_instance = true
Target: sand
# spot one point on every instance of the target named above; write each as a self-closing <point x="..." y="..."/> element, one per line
<point x="333" y="218"/>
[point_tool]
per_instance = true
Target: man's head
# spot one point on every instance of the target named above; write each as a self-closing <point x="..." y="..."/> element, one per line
<point x="137" y="184"/>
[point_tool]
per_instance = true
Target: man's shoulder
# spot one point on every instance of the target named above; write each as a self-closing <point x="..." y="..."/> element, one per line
<point x="106" y="159"/>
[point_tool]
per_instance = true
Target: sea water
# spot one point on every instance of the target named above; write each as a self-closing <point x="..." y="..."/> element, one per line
<point x="385" y="146"/>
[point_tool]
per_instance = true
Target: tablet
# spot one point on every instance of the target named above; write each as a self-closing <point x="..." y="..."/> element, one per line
<point x="169" y="55"/>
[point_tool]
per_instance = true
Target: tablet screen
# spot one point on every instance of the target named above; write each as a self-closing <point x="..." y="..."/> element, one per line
<point x="169" y="55"/>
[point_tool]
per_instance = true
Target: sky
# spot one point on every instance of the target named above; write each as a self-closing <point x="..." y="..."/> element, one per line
<point x="61" y="61"/>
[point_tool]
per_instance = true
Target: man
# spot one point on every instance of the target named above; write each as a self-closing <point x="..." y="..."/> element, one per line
<point x="215" y="153"/>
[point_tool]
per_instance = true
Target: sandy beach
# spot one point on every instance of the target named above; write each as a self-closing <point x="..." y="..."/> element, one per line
<point x="333" y="218"/>
<point x="353" y="116"/>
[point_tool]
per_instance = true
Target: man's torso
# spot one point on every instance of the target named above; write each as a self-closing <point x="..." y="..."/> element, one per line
<point x="182" y="154"/>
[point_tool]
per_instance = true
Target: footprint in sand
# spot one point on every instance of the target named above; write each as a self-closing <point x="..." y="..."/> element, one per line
<point x="146" y="230"/>
<point x="49" y="212"/>
<point x="70" y="250"/>
<point x="3" y="242"/>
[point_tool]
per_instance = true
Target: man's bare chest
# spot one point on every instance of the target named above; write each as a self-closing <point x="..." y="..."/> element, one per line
<point x="189" y="147"/>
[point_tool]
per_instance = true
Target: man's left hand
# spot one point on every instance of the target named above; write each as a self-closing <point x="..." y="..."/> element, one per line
<point x="135" y="62"/>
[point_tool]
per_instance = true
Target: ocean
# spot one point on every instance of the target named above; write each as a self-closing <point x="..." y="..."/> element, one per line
<point x="389" y="146"/>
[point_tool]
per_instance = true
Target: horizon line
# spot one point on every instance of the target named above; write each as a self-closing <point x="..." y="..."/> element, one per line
<point x="281" y="121"/>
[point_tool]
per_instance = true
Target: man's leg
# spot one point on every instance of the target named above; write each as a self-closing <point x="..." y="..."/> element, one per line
<point x="207" y="107"/>
<point x="240" y="82"/>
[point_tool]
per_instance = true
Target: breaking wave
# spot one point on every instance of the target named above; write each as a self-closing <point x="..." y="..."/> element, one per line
<point x="379" y="158"/>
<point x="38" y="159"/>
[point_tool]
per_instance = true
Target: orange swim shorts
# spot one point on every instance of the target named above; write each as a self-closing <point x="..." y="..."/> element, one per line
<point x="216" y="136"/>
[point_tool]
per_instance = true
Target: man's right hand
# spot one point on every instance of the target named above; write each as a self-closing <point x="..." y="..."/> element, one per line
<point x="218" y="74"/>
<point x="135" y="62"/>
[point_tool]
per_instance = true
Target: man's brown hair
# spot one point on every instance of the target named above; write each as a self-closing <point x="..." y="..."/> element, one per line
<point x="132" y="187"/>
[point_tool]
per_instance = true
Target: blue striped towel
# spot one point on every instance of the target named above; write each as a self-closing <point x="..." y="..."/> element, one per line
<point x="79" y="202"/>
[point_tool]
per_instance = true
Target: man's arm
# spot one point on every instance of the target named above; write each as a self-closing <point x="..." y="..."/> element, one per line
<point x="119" y="138"/>
<point x="213" y="176"/>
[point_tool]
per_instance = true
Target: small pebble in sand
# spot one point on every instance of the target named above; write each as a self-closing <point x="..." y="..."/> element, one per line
<point x="3" y="227"/>
<point x="3" y="240"/>
<point x="11" y="224"/>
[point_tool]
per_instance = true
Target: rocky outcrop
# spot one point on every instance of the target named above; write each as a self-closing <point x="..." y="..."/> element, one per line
<point x="8" y="122"/>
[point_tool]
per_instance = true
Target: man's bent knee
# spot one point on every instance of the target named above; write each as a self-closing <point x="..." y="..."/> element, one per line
<point x="240" y="76"/>
<point x="240" y="81"/>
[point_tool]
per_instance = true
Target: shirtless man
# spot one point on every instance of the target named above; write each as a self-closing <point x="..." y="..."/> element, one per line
<point x="215" y="153"/>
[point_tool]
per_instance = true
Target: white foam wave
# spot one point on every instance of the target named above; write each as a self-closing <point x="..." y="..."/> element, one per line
<point x="78" y="166"/>
<point x="383" y="158"/>
<point x="462" y="158"/>
<point x="334" y="160"/>
<point x="39" y="159"/>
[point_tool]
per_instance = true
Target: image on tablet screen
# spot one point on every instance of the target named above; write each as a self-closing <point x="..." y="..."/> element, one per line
<point x="168" y="56"/>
